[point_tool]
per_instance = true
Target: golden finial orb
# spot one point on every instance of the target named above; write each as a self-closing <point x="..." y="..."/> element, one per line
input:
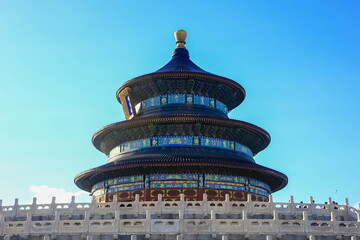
<point x="180" y="37"/>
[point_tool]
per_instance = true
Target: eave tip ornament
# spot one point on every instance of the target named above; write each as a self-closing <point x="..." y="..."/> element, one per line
<point x="180" y="37"/>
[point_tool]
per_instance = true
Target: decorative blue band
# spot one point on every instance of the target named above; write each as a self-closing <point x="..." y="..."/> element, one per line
<point x="181" y="99"/>
<point x="180" y="140"/>
<point x="181" y="180"/>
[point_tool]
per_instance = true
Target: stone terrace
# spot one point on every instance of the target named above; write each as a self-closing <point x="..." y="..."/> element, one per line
<point x="225" y="220"/>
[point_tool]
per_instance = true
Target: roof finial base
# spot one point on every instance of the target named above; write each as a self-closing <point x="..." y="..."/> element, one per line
<point x="180" y="37"/>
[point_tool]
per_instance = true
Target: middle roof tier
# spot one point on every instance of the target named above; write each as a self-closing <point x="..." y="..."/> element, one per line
<point x="249" y="135"/>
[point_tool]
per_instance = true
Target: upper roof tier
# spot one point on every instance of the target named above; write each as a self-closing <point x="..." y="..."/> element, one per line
<point x="181" y="62"/>
<point x="179" y="76"/>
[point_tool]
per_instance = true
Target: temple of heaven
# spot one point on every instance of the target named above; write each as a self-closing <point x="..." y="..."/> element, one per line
<point x="177" y="140"/>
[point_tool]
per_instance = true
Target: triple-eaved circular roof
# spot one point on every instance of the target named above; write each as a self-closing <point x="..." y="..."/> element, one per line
<point x="181" y="76"/>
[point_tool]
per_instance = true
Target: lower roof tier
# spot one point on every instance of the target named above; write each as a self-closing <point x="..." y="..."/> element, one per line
<point x="187" y="159"/>
<point x="244" y="133"/>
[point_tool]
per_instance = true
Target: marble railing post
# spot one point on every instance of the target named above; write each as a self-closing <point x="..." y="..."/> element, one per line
<point x="148" y="222"/>
<point x="57" y="221"/>
<point x="28" y="222"/>
<point x="87" y="224"/>
<point x="205" y="205"/>
<point x="332" y="216"/>
<point x="275" y="215"/>
<point x="248" y="197"/>
<point x="92" y="205"/>
<point x="53" y="204"/>
<point x="182" y="202"/>
<point x="114" y="203"/>
<point x="244" y="218"/>
<point x="330" y="204"/>
<point x="276" y="223"/>
<point x="72" y="204"/>
<point x="271" y="203"/>
<point x="227" y="203"/>
<point x="334" y="224"/>
<point x="181" y="221"/>
<point x="312" y="205"/>
<point x="115" y="198"/>
<point x="346" y="206"/>
<point x="291" y="204"/>
<point x="159" y="205"/>
<point x="137" y="203"/>
<point x="306" y="222"/>
<point x="213" y="221"/>
<point x="16" y="206"/>
<point x="0" y="205"/>
<point x="33" y="205"/>
<point x="137" y="197"/>
<point x="249" y="205"/>
<point x="117" y="221"/>
<point x="204" y="197"/>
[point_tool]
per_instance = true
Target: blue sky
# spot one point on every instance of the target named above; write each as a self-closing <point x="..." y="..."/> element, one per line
<point x="62" y="61"/>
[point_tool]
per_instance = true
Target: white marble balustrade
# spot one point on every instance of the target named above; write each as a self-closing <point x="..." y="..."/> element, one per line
<point x="179" y="220"/>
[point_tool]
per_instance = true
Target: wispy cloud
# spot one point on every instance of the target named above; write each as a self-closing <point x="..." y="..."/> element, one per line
<point x="44" y="194"/>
